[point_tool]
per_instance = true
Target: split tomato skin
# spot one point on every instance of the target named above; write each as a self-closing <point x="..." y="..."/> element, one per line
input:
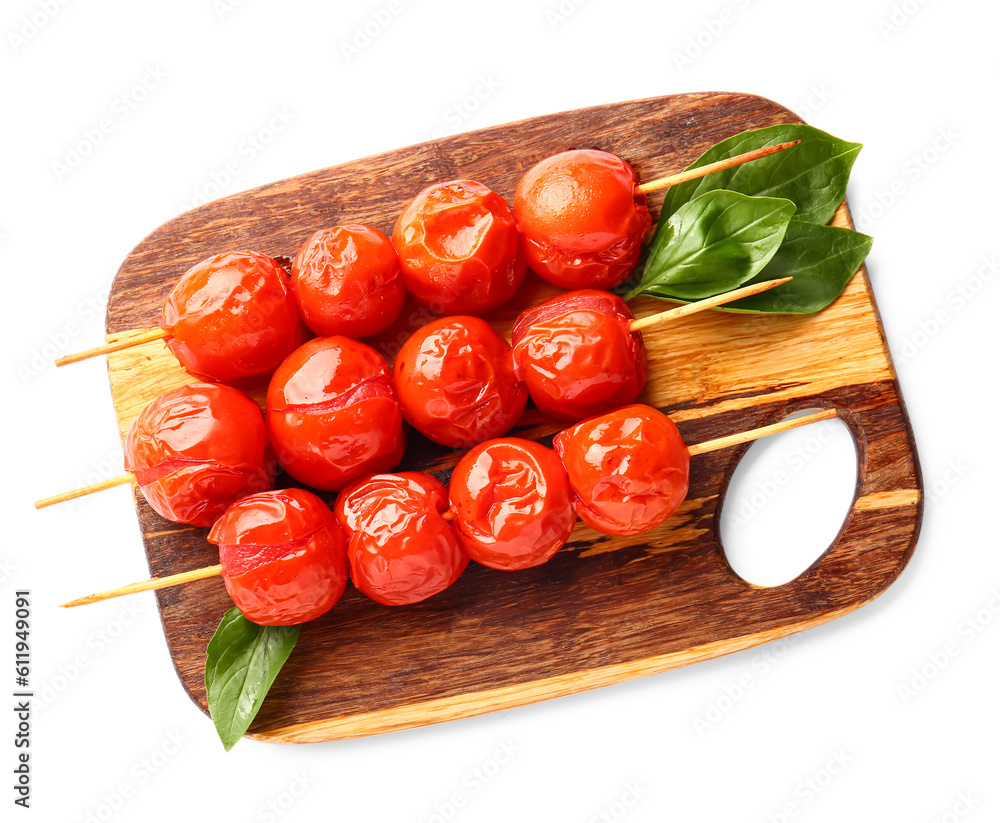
<point x="628" y="469"/>
<point x="283" y="556"/>
<point x="332" y="415"/>
<point x="455" y="382"/>
<point x="196" y="450"/>
<point x="458" y="248"/>
<point x="582" y="223"/>
<point x="401" y="550"/>
<point x="512" y="503"/>
<point x="578" y="356"/>
<point x="346" y="281"/>
<point x="232" y="319"/>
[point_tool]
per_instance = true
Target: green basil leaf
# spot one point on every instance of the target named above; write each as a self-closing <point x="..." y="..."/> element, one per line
<point x="820" y="259"/>
<point x="713" y="244"/>
<point x="812" y="175"/>
<point x="243" y="660"/>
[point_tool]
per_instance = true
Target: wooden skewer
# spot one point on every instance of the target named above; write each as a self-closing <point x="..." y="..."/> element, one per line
<point x="121" y="480"/>
<point x="707" y="303"/>
<point x="117" y="345"/>
<point x="711" y="168"/>
<point x="147" y="585"/>
<point x="212" y="571"/>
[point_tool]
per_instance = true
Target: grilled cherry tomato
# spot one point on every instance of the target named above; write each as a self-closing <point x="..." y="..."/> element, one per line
<point x="577" y="354"/>
<point x="455" y="382"/>
<point x="628" y="469"/>
<point x="283" y="556"/>
<point x="512" y="501"/>
<point x="458" y="248"/>
<point x="332" y="415"/>
<point x="582" y="223"/>
<point x="196" y="450"/>
<point x="346" y="281"/>
<point x="232" y="318"/>
<point x="400" y="548"/>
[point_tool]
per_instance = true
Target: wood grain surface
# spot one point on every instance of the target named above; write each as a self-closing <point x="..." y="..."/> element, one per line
<point x="604" y="609"/>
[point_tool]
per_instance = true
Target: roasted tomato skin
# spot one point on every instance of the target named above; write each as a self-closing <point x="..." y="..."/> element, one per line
<point x="197" y="449"/>
<point x="346" y="281"/>
<point x="332" y="415"/>
<point x="283" y="556"/>
<point x="454" y="379"/>
<point x="458" y="248"/>
<point x="232" y="318"/>
<point x="628" y="469"/>
<point x="582" y="223"/>
<point x="577" y="354"/>
<point x="512" y="503"/>
<point x="400" y="548"/>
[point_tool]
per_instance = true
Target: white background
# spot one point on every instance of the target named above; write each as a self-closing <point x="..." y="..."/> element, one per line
<point x="823" y="728"/>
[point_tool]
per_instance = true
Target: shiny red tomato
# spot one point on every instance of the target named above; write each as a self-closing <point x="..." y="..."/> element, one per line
<point x="628" y="469"/>
<point x="400" y="548"/>
<point x="346" y="281"/>
<point x="283" y="556"/>
<point x="232" y="318"/>
<point x="196" y="450"/>
<point x="577" y="354"/>
<point x="512" y="501"/>
<point x="332" y="415"/>
<point x="454" y="379"/>
<point x="582" y="223"/>
<point x="458" y="248"/>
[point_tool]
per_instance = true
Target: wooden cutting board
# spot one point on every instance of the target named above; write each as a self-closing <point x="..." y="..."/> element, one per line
<point x="604" y="609"/>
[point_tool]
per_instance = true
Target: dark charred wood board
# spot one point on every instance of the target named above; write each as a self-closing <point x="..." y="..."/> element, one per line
<point x="604" y="609"/>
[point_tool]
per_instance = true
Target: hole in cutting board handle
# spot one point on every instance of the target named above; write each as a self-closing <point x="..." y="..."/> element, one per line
<point x="787" y="501"/>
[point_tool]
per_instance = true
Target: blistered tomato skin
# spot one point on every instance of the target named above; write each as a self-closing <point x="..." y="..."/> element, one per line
<point x="582" y="223"/>
<point x="196" y="450"/>
<point x="346" y="281"/>
<point x="400" y="548"/>
<point x="578" y="356"/>
<point x="628" y="469"/>
<point x="283" y="556"/>
<point x="233" y="319"/>
<point x="454" y="379"/>
<point x="332" y="415"/>
<point x="458" y="248"/>
<point x="512" y="501"/>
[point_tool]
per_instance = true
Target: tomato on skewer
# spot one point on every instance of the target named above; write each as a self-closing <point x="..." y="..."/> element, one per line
<point x="283" y="556"/>
<point x="401" y="549"/>
<point x="578" y="355"/>
<point x="332" y="415"/>
<point x="458" y="248"/>
<point x="232" y="318"/>
<point x="581" y="221"/>
<point x="196" y="450"/>
<point x="628" y="469"/>
<point x="512" y="503"/>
